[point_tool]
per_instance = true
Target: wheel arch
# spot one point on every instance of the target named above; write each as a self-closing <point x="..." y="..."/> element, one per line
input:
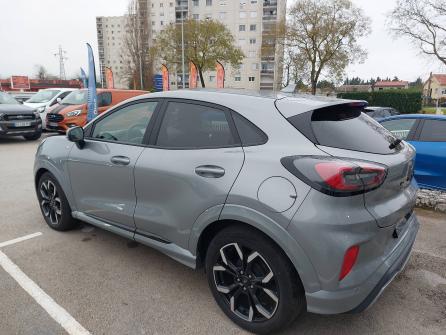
<point x="46" y="166"/>
<point x="234" y="215"/>
<point x="39" y="173"/>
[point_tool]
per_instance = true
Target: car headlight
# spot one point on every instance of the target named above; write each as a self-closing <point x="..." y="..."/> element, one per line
<point x="76" y="112"/>
<point x="1" y="116"/>
<point x="41" y="109"/>
<point x="37" y="114"/>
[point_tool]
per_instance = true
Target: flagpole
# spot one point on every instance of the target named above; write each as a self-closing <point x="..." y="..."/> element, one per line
<point x="182" y="49"/>
<point x="102" y="74"/>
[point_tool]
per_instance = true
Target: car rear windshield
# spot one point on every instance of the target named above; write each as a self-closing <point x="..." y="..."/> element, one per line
<point x="344" y="127"/>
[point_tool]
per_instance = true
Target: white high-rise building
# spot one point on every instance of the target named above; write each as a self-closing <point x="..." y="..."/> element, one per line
<point x="111" y="32"/>
<point x="250" y="22"/>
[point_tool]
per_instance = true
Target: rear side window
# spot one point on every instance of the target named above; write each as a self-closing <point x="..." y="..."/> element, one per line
<point x="433" y="131"/>
<point x="249" y="133"/>
<point x="104" y="99"/>
<point x="400" y="128"/>
<point x="344" y="127"/>
<point x="193" y="126"/>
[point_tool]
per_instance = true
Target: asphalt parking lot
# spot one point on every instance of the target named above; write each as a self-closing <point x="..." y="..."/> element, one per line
<point x="110" y="285"/>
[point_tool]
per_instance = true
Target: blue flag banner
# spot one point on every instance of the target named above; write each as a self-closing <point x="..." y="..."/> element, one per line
<point x="92" y="101"/>
<point x="84" y="78"/>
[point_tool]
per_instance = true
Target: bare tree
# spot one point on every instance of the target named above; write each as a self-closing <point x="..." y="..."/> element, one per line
<point x="323" y="35"/>
<point x="424" y="22"/>
<point x="41" y="72"/>
<point x="138" y="65"/>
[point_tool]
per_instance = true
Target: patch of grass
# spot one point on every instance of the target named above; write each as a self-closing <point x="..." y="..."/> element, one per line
<point x="432" y="110"/>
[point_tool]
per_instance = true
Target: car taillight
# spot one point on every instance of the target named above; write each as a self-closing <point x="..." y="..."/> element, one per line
<point x="336" y="176"/>
<point x="349" y="260"/>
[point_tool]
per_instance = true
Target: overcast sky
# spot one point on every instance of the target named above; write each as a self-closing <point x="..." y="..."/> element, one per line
<point x="31" y="31"/>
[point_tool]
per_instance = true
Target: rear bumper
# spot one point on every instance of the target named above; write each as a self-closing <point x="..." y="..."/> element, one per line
<point x="358" y="298"/>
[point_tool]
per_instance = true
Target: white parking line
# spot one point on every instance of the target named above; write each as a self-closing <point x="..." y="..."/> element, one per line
<point x="20" y="239"/>
<point x="58" y="313"/>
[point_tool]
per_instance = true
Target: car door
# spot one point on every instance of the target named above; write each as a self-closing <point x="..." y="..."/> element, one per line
<point x="430" y="167"/>
<point x="192" y="162"/>
<point x="101" y="173"/>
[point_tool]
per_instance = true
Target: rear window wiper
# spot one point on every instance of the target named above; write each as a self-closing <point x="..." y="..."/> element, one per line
<point x="394" y="144"/>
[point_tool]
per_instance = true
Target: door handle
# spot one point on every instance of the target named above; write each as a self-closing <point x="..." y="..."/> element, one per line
<point x="120" y="160"/>
<point x="210" y="171"/>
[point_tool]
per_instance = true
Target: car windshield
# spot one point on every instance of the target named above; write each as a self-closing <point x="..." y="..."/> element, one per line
<point x="44" y="96"/>
<point x="7" y="99"/>
<point x="76" y="98"/>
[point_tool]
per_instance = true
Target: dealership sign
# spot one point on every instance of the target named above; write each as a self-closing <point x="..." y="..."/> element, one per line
<point x="20" y="83"/>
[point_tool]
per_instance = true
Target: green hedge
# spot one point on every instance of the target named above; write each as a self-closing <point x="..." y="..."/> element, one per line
<point x="405" y="101"/>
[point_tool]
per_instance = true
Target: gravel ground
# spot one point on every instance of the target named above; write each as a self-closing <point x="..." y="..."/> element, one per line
<point x="112" y="286"/>
<point x="432" y="199"/>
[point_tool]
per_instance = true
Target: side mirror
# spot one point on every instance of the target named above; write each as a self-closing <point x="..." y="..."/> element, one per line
<point x="76" y="135"/>
<point x="58" y="100"/>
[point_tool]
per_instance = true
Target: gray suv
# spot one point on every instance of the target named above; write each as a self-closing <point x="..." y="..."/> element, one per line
<point x="289" y="203"/>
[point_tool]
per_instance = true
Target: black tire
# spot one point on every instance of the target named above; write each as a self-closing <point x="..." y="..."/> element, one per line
<point x="33" y="137"/>
<point x="285" y="300"/>
<point x="52" y="202"/>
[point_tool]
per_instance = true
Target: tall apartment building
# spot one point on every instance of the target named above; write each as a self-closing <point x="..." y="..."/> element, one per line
<point x="111" y="32"/>
<point x="250" y="22"/>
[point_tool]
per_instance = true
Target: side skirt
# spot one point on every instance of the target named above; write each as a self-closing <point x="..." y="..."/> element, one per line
<point x="168" y="248"/>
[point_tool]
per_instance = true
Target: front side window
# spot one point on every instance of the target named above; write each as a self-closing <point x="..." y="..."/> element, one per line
<point x="399" y="128"/>
<point x="64" y="94"/>
<point x="192" y="126"/>
<point x="127" y="125"/>
<point x="433" y="131"/>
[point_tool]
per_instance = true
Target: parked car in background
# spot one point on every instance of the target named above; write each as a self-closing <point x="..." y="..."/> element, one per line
<point x="45" y="99"/>
<point x="290" y="203"/>
<point x="72" y="111"/>
<point x="18" y="120"/>
<point x="380" y="112"/>
<point x="22" y="96"/>
<point x="427" y="133"/>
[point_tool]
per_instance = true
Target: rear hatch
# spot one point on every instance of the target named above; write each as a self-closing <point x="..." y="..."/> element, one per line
<point x="343" y="131"/>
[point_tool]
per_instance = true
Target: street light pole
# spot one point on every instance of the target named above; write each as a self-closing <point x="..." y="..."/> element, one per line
<point x="182" y="49"/>
<point x="140" y="70"/>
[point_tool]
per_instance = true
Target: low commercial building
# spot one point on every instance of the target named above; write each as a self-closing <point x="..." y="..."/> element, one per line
<point x="354" y="88"/>
<point x="391" y="85"/>
<point x="40" y="84"/>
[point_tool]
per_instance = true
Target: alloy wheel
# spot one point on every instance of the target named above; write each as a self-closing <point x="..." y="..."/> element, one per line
<point x="246" y="282"/>
<point x="50" y="203"/>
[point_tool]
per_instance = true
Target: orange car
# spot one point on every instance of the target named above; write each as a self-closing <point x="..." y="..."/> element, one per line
<point x="72" y="110"/>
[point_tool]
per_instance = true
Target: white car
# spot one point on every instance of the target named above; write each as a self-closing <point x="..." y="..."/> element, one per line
<point x="47" y="98"/>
